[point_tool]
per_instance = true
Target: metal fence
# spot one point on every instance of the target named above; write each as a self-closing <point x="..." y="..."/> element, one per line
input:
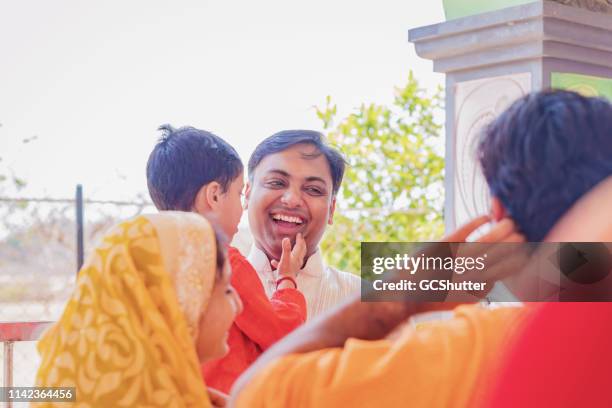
<point x="42" y="244"/>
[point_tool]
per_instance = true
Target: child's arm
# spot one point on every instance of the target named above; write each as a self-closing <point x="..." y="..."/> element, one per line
<point x="291" y="261"/>
<point x="264" y="321"/>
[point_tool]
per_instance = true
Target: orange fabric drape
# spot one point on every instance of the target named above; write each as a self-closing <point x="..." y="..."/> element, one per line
<point x="439" y="364"/>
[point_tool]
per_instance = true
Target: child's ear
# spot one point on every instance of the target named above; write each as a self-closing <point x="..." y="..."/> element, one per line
<point x="498" y="211"/>
<point x="207" y="198"/>
<point x="213" y="195"/>
<point x="332" y="208"/>
<point x="247" y="194"/>
<point x="199" y="204"/>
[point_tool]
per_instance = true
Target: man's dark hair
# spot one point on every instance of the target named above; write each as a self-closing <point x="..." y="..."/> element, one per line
<point x="285" y="139"/>
<point x="545" y="152"/>
<point x="183" y="161"/>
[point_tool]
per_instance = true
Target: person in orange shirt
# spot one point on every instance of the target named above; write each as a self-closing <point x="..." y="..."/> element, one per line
<point x="563" y="357"/>
<point x="194" y="170"/>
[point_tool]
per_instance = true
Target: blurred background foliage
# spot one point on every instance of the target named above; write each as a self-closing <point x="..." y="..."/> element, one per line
<point x="393" y="185"/>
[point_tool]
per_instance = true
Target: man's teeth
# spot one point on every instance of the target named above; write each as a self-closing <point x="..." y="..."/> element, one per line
<point x="287" y="218"/>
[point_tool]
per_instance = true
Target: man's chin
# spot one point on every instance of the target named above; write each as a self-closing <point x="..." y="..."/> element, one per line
<point x="292" y="238"/>
<point x="272" y="251"/>
<point x="278" y="239"/>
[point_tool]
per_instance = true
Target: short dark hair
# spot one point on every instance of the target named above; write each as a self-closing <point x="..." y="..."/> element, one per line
<point x="183" y="161"/>
<point x="543" y="153"/>
<point x="285" y="139"/>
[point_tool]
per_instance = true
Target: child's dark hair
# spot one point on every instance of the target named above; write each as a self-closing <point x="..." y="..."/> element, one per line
<point x="545" y="152"/>
<point x="285" y="139"/>
<point x="183" y="161"/>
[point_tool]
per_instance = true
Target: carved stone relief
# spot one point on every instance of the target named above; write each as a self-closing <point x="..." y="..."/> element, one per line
<point x="476" y="104"/>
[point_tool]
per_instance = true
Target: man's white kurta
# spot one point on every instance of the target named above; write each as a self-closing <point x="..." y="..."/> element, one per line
<point x="322" y="286"/>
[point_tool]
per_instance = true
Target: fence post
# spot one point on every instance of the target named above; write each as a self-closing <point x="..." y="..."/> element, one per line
<point x="79" y="224"/>
<point x="8" y="368"/>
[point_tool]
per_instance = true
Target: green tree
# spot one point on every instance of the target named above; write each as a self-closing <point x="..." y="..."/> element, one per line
<point x="393" y="185"/>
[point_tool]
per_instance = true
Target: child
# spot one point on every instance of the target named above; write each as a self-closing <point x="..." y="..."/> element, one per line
<point x="194" y="170"/>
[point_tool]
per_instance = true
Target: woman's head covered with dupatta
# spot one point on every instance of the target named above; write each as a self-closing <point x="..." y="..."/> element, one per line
<point x="151" y="303"/>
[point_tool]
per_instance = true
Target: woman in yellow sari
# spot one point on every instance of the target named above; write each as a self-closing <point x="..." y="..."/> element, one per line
<point x="152" y="303"/>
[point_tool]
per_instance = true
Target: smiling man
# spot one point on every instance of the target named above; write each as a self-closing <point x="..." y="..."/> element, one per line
<point x="294" y="177"/>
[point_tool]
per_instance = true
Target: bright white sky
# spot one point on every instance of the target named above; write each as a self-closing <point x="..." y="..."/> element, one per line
<point x="93" y="80"/>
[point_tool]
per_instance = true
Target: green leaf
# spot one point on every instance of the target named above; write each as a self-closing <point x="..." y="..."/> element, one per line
<point x="396" y="172"/>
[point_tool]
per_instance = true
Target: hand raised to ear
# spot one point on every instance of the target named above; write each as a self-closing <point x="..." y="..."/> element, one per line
<point x="463" y="232"/>
<point x="504" y="257"/>
<point x="503" y="231"/>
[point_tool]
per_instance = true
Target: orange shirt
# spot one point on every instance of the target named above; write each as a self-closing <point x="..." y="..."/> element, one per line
<point x="262" y="322"/>
<point x="439" y="364"/>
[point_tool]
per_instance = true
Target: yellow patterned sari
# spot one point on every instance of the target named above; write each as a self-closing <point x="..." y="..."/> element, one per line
<point x="127" y="335"/>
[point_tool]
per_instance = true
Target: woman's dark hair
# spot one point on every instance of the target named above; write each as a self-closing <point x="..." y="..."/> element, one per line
<point x="545" y="152"/>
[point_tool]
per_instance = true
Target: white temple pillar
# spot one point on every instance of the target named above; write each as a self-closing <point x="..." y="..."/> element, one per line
<point x="493" y="58"/>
